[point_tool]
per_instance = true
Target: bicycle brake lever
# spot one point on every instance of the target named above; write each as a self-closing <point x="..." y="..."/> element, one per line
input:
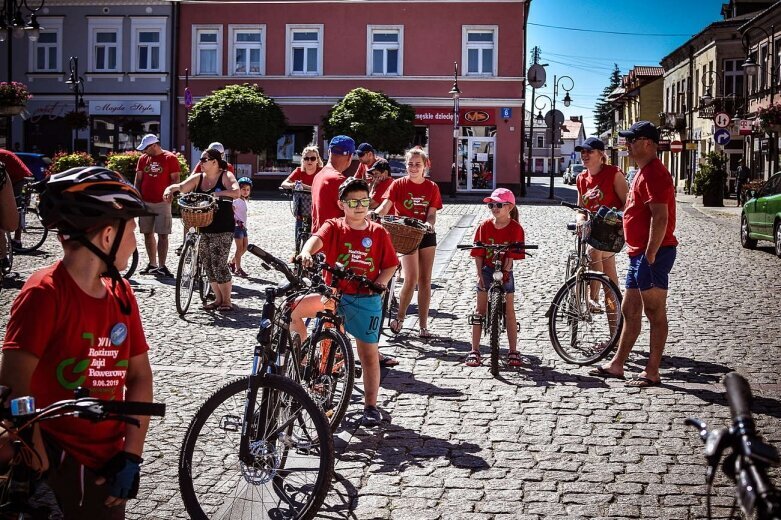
<point x="702" y="427"/>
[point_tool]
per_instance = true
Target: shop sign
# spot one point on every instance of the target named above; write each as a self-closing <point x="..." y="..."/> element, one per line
<point x="48" y="110"/>
<point x="444" y="116"/>
<point x="433" y="116"/>
<point x="664" y="145"/>
<point x="124" y="108"/>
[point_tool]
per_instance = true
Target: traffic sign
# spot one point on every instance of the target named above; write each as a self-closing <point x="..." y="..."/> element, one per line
<point x="664" y="145"/>
<point x="722" y="119"/>
<point x="676" y="147"/>
<point x="744" y="127"/>
<point x="721" y="136"/>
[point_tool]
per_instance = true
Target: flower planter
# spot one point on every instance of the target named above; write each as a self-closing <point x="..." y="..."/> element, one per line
<point x="11" y="110"/>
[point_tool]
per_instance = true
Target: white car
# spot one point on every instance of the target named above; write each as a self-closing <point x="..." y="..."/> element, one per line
<point x="572" y="172"/>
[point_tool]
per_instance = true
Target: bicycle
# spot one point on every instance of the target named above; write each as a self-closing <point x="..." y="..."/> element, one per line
<point x="197" y="210"/>
<point x="581" y="331"/>
<point x="25" y="495"/>
<point x="301" y="209"/>
<point x="259" y="447"/>
<point x="132" y="264"/>
<point x="749" y="457"/>
<point x="8" y="256"/>
<point x="31" y="233"/>
<point x="497" y="306"/>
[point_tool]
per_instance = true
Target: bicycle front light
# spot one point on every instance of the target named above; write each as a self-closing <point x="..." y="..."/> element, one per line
<point x="498" y="276"/>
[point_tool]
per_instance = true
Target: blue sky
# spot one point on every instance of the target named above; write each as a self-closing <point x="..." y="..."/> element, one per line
<point x="588" y="57"/>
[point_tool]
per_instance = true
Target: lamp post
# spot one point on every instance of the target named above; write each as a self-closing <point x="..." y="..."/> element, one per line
<point x="751" y="67"/>
<point x="567" y="101"/>
<point x="76" y="84"/>
<point x="13" y="25"/>
<point x="456" y="93"/>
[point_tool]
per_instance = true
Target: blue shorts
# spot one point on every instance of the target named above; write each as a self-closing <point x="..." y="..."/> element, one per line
<point x="239" y="232"/>
<point x="362" y="314"/>
<point x="643" y="276"/>
<point x="488" y="279"/>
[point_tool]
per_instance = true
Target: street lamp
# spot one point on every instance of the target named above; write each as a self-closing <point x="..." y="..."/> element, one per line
<point x="456" y="93"/>
<point x="12" y="22"/>
<point x="567" y="102"/>
<point x="76" y="84"/>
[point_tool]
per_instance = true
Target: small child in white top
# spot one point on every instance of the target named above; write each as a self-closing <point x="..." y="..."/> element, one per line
<point x="240" y="225"/>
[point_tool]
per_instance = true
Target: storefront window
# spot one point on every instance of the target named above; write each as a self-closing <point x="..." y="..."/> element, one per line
<point x="285" y="156"/>
<point x="120" y="133"/>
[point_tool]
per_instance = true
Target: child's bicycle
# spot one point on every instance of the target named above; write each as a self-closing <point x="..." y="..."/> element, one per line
<point x="495" y="314"/>
<point x="23" y="493"/>
<point x="582" y="330"/>
<point x="259" y="447"/>
<point x="31" y="232"/>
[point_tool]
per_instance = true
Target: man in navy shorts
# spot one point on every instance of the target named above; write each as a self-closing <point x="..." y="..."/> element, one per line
<point x="649" y="227"/>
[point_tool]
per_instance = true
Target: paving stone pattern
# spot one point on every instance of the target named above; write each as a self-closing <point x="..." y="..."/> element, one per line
<point x="542" y="441"/>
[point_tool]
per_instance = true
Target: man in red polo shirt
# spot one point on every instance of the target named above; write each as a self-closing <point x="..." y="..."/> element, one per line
<point x="649" y="227"/>
<point x="18" y="175"/>
<point x="325" y="187"/>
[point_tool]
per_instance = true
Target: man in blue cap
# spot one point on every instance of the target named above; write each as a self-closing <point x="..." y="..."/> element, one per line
<point x="649" y="226"/>
<point x="325" y="188"/>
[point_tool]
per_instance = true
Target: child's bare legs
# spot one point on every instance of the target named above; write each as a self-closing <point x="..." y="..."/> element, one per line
<point x="511" y="322"/>
<point x="306" y="307"/>
<point x="477" y="330"/>
<point x="241" y="248"/>
<point x="410" y="266"/>
<point x="370" y="363"/>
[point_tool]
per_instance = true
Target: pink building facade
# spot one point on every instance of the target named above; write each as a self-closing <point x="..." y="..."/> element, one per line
<point x="308" y="55"/>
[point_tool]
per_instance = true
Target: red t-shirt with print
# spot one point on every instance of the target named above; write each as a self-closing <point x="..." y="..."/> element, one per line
<point x="598" y="190"/>
<point x="325" y="196"/>
<point x="300" y="175"/>
<point x="365" y="252"/>
<point x="379" y="189"/>
<point x="156" y="174"/>
<point x="488" y="233"/>
<point x="413" y="200"/>
<point x="652" y="184"/>
<point x="78" y="341"/>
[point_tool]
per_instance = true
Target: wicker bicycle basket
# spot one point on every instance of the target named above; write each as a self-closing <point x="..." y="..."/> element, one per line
<point x="405" y="238"/>
<point x="197" y="209"/>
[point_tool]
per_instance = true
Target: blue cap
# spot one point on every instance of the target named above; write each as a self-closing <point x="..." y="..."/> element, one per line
<point x="342" y="145"/>
<point x="641" y="129"/>
<point x="363" y="148"/>
<point x="592" y="143"/>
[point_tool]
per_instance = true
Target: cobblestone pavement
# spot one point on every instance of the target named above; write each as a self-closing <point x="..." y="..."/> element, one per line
<point x="542" y="441"/>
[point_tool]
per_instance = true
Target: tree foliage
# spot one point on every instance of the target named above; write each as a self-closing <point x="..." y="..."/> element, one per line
<point x="711" y="174"/>
<point x="241" y="117"/>
<point x="603" y="111"/>
<point x="374" y="118"/>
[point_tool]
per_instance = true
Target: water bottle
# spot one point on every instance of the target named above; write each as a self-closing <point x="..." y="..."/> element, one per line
<point x="299" y="185"/>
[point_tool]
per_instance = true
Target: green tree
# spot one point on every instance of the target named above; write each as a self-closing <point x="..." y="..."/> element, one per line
<point x="603" y="111"/>
<point x="241" y="117"/>
<point x="374" y="118"/>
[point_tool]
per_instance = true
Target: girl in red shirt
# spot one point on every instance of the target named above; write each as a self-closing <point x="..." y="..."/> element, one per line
<point x="502" y="228"/>
<point x="417" y="197"/>
<point x="311" y="163"/>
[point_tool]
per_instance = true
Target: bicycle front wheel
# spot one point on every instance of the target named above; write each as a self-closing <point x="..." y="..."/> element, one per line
<point x="185" y="277"/>
<point x="131" y="266"/>
<point x="32" y="231"/>
<point x="204" y="286"/>
<point x="584" y="320"/>
<point x="495" y="309"/>
<point x="285" y="475"/>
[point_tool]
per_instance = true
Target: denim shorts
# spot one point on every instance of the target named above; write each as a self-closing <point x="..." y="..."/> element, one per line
<point x="488" y="279"/>
<point x="239" y="232"/>
<point x="362" y="314"/>
<point x="643" y="276"/>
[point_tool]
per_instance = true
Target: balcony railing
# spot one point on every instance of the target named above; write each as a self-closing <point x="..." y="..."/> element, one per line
<point x="728" y="104"/>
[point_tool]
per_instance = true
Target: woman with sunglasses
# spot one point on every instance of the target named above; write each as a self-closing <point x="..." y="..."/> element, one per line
<point x="415" y="196"/>
<point x="311" y="163"/>
<point x="600" y="184"/>
<point x="217" y="237"/>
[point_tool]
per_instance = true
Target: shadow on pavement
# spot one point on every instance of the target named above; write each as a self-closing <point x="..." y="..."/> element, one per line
<point x="341" y="499"/>
<point x="405" y="382"/>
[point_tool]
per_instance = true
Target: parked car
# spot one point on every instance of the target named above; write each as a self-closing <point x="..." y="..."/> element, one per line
<point x="572" y="172"/>
<point x="37" y="163"/>
<point x="630" y="174"/>
<point x="761" y="215"/>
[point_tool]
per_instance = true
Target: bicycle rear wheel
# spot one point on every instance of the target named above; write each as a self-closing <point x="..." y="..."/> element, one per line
<point x="131" y="266"/>
<point x="584" y="330"/>
<point x="287" y="473"/>
<point x="494" y="311"/>
<point x="390" y="305"/>
<point x="186" y="277"/>
<point x="32" y="231"/>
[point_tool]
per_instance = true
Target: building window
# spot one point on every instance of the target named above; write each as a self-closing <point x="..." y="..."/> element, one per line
<point x="207" y="50"/>
<point x="148" y="48"/>
<point x="105" y="42"/>
<point x="247" y="50"/>
<point x="540" y="141"/>
<point x="304" y="54"/>
<point x="385" y="50"/>
<point x="733" y="78"/>
<point x="46" y="53"/>
<point x="763" y="66"/>
<point x="479" y="50"/>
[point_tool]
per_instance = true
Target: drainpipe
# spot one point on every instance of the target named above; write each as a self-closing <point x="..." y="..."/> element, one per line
<point x="174" y="82"/>
<point x="524" y="163"/>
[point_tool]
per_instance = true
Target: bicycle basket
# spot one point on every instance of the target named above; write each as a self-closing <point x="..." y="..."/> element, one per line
<point x="197" y="209"/>
<point x="607" y="230"/>
<point x="302" y="203"/>
<point x="405" y="238"/>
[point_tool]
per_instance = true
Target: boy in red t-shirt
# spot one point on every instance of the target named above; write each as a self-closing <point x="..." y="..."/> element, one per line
<point x="502" y="228"/>
<point x="70" y="326"/>
<point x="365" y="248"/>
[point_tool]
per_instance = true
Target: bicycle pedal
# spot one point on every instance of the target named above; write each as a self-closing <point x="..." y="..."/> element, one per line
<point x="358" y="372"/>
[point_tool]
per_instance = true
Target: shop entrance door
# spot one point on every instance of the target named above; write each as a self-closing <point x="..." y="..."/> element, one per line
<point x="476" y="169"/>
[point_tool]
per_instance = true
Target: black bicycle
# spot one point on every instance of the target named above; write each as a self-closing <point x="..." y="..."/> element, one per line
<point x="7" y="266"/>
<point x="301" y="208"/>
<point x="31" y="233"/>
<point x="259" y="447"/>
<point x="23" y="494"/>
<point x="497" y="305"/>
<point x="749" y="457"/>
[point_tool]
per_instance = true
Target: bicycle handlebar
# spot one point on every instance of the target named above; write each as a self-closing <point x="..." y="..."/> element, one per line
<point x="276" y="263"/>
<point x="498" y="247"/>
<point x="738" y="397"/>
<point x="341" y="272"/>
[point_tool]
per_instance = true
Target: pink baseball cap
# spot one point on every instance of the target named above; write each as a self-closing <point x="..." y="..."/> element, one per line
<point x="501" y="195"/>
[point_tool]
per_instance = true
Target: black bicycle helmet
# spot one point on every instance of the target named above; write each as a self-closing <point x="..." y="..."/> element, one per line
<point x="83" y="199"/>
<point x="354" y="184"/>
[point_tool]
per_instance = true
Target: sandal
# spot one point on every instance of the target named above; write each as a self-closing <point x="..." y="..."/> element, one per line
<point x="473" y="359"/>
<point x="211" y="306"/>
<point x="387" y="361"/>
<point x="514" y="359"/>
<point x="396" y="324"/>
<point x="227" y="308"/>
<point x="240" y="272"/>
<point x="425" y="334"/>
<point x="232" y="267"/>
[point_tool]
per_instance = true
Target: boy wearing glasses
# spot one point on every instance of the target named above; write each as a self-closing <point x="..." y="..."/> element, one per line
<point x="365" y="248"/>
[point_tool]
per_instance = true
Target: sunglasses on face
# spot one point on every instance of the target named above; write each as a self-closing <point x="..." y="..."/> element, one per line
<point x="497" y="205"/>
<point x="360" y="154"/>
<point x="633" y="140"/>
<point x="205" y="159"/>
<point x="310" y="158"/>
<point x="354" y="203"/>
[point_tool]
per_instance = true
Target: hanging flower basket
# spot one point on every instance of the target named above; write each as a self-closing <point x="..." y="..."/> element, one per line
<point x="770" y="118"/>
<point x="13" y="98"/>
<point x="76" y="120"/>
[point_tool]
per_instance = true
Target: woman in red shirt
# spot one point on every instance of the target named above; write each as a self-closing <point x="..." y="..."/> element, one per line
<point x="311" y="163"/>
<point x="600" y="184"/>
<point x="415" y="196"/>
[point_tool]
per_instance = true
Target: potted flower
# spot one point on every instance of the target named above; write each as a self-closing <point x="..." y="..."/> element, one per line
<point x="709" y="179"/>
<point x="13" y="97"/>
<point x="76" y="120"/>
<point x="770" y="118"/>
